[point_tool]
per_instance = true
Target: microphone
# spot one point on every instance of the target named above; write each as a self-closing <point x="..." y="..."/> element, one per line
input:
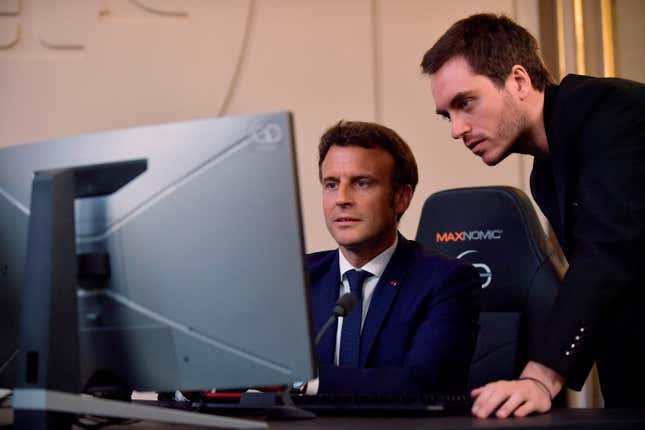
<point x="343" y="306"/>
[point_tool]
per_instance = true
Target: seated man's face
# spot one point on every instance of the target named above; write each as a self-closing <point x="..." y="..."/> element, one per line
<point x="358" y="201"/>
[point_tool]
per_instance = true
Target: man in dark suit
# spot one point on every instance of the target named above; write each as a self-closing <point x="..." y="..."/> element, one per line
<point x="588" y="139"/>
<point x="415" y="325"/>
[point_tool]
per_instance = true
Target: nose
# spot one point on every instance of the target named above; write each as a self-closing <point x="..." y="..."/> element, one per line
<point x="343" y="194"/>
<point x="459" y="127"/>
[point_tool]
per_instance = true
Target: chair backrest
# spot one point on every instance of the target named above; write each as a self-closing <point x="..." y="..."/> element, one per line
<point x="497" y="230"/>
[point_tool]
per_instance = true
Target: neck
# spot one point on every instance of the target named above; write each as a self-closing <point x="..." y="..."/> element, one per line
<point x="533" y="141"/>
<point x="539" y="130"/>
<point x="360" y="255"/>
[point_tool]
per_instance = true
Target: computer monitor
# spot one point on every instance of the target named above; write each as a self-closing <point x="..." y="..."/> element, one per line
<point x="206" y="284"/>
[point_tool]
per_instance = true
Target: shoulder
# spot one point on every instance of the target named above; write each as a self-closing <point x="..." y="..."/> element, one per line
<point x="583" y="91"/>
<point x="585" y="83"/>
<point x="426" y="262"/>
<point x="432" y="275"/>
<point x="321" y="260"/>
<point x="600" y="112"/>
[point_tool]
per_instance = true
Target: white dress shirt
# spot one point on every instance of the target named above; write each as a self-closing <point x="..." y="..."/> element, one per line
<point x="376" y="266"/>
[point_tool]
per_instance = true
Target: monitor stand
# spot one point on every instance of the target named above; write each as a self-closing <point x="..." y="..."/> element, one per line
<point x="47" y="395"/>
<point x="33" y="405"/>
<point x="278" y="405"/>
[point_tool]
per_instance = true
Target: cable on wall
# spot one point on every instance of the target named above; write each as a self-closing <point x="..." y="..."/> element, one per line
<point x="240" y="59"/>
<point x="376" y="66"/>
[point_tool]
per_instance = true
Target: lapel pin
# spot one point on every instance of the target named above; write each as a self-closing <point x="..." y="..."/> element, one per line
<point x="393" y="283"/>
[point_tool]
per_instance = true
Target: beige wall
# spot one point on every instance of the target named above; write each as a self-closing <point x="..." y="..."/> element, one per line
<point x="629" y="35"/>
<point x="77" y="66"/>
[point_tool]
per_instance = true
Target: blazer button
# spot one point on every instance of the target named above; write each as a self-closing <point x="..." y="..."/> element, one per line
<point x="577" y="337"/>
<point x="568" y="353"/>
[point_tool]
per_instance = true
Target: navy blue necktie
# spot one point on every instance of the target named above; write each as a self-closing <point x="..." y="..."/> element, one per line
<point x="350" y="336"/>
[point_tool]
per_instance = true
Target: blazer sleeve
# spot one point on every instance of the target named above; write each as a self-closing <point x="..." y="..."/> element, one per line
<point x="440" y="351"/>
<point x="607" y="233"/>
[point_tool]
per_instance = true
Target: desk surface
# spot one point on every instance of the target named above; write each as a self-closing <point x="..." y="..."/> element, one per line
<point x="559" y="419"/>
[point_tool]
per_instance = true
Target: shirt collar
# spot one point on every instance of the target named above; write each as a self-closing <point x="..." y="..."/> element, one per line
<point x="376" y="266"/>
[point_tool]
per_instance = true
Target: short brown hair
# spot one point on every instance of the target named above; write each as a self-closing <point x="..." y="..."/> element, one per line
<point x="372" y="135"/>
<point x="491" y="45"/>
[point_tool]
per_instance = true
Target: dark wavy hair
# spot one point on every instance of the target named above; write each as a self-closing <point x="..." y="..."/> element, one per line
<point x="371" y="135"/>
<point x="491" y="45"/>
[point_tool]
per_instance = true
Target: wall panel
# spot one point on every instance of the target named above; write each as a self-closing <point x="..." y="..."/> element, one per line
<point x="76" y="66"/>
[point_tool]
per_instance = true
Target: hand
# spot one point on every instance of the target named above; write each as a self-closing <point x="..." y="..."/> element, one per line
<point x="519" y="397"/>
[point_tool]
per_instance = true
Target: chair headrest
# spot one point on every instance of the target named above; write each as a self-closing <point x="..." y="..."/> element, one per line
<point x="494" y="228"/>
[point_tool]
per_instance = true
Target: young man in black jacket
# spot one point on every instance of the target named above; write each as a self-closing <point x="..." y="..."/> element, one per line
<point x="587" y="137"/>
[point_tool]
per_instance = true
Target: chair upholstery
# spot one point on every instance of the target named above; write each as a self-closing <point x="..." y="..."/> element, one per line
<point x="497" y="230"/>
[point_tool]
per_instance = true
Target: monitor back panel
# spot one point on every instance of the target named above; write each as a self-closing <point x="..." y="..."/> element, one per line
<point x="207" y="287"/>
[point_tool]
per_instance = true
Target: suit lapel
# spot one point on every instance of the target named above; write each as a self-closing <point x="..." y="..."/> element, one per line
<point x="550" y="179"/>
<point x="559" y="157"/>
<point x="386" y="290"/>
<point x="543" y="189"/>
<point x="565" y="138"/>
<point x="326" y="295"/>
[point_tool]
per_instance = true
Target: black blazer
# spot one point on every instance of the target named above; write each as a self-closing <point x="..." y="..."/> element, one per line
<point x="592" y="190"/>
<point x="420" y="330"/>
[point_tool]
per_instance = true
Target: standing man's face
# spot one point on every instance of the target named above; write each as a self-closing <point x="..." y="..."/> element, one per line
<point x="487" y="118"/>
<point x="358" y="201"/>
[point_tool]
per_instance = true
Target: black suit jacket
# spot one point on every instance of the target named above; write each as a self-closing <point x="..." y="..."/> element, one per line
<point x="420" y="330"/>
<point x="592" y="191"/>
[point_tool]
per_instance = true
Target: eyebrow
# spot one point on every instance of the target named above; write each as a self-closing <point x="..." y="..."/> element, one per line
<point x="352" y="178"/>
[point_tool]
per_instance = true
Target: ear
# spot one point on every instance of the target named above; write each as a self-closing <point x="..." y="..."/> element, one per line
<point x="402" y="198"/>
<point x="519" y="82"/>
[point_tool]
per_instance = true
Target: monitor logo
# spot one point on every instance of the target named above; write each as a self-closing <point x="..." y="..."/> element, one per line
<point x="462" y="236"/>
<point x="268" y="135"/>
<point x="485" y="273"/>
